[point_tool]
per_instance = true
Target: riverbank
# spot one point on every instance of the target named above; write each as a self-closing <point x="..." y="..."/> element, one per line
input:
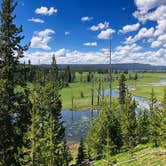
<point x="80" y="92"/>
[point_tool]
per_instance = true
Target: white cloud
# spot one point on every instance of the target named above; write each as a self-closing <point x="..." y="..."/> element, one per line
<point x="106" y="34"/>
<point x="100" y="26"/>
<point x="155" y="44"/>
<point x="146" y="5"/>
<point x="122" y="54"/>
<point x="90" y="44"/>
<point x="64" y="56"/>
<point x="86" y="18"/>
<point x="156" y="15"/>
<point x="46" y="11"/>
<point x="67" y="33"/>
<point x="130" y="28"/>
<point x="129" y="48"/>
<point x="36" y="20"/>
<point x="153" y="10"/>
<point x="143" y="33"/>
<point x="41" y="39"/>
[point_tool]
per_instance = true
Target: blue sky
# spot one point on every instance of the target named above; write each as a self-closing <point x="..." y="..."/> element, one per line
<point x="77" y="31"/>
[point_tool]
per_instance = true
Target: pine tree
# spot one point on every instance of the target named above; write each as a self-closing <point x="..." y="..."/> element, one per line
<point x="54" y="130"/>
<point x="129" y="123"/>
<point x="106" y="132"/>
<point x="164" y="119"/>
<point x="11" y="109"/>
<point x="81" y="153"/>
<point x="155" y="120"/>
<point x="136" y="76"/>
<point x="31" y="151"/>
<point x="122" y="89"/>
<point x="66" y="155"/>
<point x="143" y="134"/>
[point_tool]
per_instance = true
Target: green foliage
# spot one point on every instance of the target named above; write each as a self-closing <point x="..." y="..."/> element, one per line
<point x="155" y="120"/>
<point x="163" y="124"/>
<point x="129" y="123"/>
<point x="81" y="154"/>
<point x="14" y="105"/>
<point x="122" y="89"/>
<point x="136" y="76"/>
<point x="143" y="122"/>
<point x="106" y="129"/>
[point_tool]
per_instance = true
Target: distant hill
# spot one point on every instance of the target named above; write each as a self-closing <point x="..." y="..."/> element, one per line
<point x="104" y="67"/>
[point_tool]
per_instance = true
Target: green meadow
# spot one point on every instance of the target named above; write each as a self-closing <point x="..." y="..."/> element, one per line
<point x="141" y="87"/>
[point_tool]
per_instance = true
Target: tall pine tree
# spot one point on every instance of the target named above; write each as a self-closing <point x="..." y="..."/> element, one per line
<point x="12" y="109"/>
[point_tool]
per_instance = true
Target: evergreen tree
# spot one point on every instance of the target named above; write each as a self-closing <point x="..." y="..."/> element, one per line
<point x="81" y="154"/>
<point x="66" y="155"/>
<point x="129" y="123"/>
<point x="54" y="130"/>
<point x="164" y="119"/>
<point x="106" y="132"/>
<point x="13" y="111"/>
<point x="31" y="152"/>
<point x="122" y="89"/>
<point x="155" y="120"/>
<point x="68" y="75"/>
<point x="136" y="76"/>
<point x="53" y="72"/>
<point x="143" y="134"/>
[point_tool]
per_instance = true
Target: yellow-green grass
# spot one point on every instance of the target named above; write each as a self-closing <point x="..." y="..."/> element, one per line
<point x="142" y="155"/>
<point x="142" y="86"/>
<point x="79" y="103"/>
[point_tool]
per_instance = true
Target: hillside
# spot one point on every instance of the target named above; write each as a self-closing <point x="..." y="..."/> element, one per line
<point x="142" y="155"/>
<point x="104" y="67"/>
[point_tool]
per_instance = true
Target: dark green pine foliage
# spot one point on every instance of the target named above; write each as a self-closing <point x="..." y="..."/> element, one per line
<point x="54" y="130"/>
<point x="155" y="120"/>
<point x="68" y="75"/>
<point x="66" y="155"/>
<point x="129" y="122"/>
<point x="143" y="134"/>
<point x="122" y="89"/>
<point x="39" y="76"/>
<point x="136" y="76"/>
<point x="163" y="126"/>
<point x="13" y="104"/>
<point x="81" y="157"/>
<point x="104" y="134"/>
<point x="31" y="152"/>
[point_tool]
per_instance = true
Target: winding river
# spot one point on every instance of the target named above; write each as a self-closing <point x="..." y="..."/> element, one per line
<point x="77" y="123"/>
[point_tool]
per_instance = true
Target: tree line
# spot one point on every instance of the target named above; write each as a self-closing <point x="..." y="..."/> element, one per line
<point x="31" y="126"/>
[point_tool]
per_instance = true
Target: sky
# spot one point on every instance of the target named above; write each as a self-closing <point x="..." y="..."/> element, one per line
<point x="79" y="31"/>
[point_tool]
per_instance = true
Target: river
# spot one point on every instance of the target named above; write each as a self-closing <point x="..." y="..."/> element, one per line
<point x="77" y="123"/>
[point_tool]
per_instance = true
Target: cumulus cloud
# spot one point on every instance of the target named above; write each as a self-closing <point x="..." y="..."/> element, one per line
<point x="106" y="34"/>
<point x="146" y="5"/>
<point x="41" y="39"/>
<point x="143" y="33"/>
<point x="36" y="20"/>
<point x="46" y="11"/>
<point x="90" y="44"/>
<point x="130" y="28"/>
<point x="128" y="48"/>
<point x="157" y="15"/>
<point x="65" y="56"/>
<point x="100" y="26"/>
<point x="86" y="18"/>
<point x="121" y="54"/>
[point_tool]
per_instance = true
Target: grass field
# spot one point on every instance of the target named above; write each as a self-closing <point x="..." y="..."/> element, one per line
<point x="142" y="155"/>
<point x="142" y="88"/>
